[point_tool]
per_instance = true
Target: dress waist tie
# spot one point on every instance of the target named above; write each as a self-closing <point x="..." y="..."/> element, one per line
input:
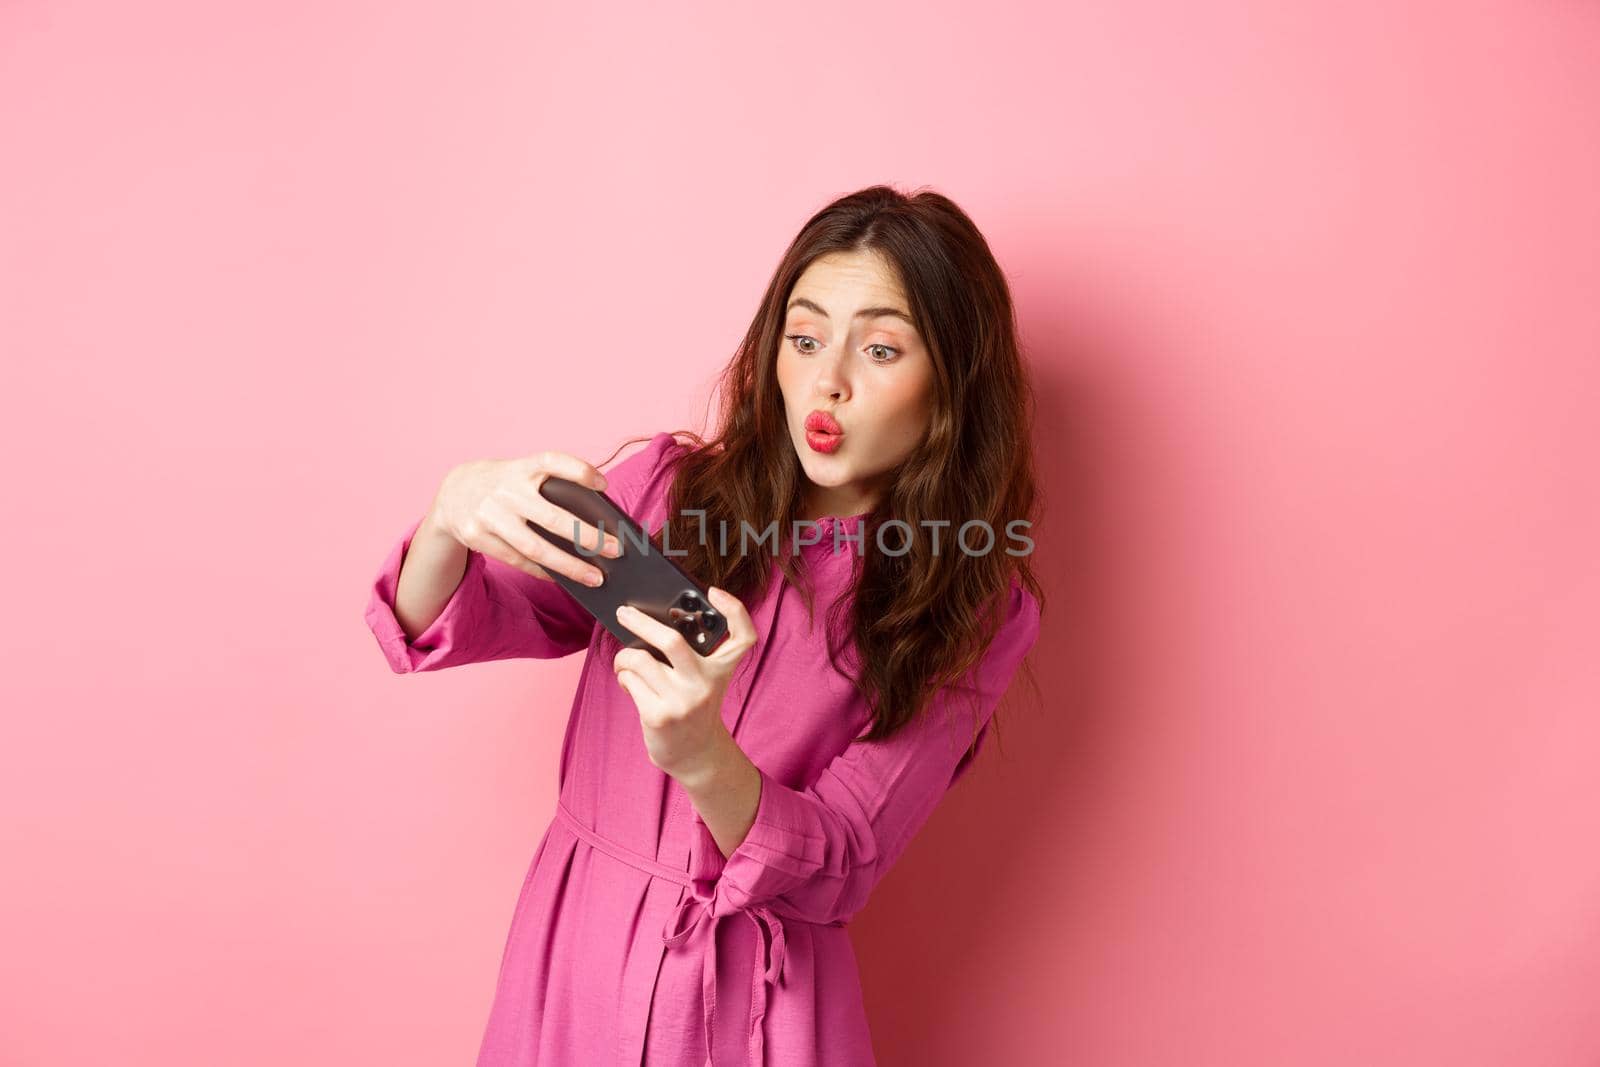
<point x="699" y="911"/>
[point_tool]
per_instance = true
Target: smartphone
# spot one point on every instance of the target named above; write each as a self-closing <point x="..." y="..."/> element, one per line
<point x="643" y="576"/>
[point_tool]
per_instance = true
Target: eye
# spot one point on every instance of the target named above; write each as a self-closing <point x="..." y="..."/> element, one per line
<point x="796" y="338"/>
<point x="886" y="348"/>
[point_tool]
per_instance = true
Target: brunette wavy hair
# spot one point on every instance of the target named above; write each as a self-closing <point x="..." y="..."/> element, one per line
<point x="917" y="621"/>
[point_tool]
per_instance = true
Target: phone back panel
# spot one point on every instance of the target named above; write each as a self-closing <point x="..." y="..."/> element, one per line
<point x="642" y="576"/>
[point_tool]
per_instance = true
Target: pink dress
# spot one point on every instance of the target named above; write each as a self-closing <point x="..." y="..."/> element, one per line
<point x="633" y="940"/>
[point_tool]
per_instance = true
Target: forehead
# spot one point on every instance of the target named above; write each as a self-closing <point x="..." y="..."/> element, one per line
<point x="846" y="280"/>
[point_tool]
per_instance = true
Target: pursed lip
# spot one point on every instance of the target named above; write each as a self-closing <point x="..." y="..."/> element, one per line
<point x="820" y="421"/>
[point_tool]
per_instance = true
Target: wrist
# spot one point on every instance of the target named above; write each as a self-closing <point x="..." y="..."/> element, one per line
<point x="714" y="772"/>
<point x="432" y="528"/>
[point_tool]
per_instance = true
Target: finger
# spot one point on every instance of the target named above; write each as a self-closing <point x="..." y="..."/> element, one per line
<point x="741" y="630"/>
<point x="565" y="465"/>
<point x="644" y="698"/>
<point x="494" y="546"/>
<point x="646" y="668"/>
<point x="511" y="530"/>
<point x="537" y="508"/>
<point x="662" y="636"/>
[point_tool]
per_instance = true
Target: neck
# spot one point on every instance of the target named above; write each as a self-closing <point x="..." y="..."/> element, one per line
<point x="838" y="503"/>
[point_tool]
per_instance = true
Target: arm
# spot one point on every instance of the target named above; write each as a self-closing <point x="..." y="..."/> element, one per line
<point x="495" y="611"/>
<point x="818" y="852"/>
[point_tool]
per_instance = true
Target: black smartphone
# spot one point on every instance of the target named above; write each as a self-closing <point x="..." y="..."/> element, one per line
<point x="643" y="576"/>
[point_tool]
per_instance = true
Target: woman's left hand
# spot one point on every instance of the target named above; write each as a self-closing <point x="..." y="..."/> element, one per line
<point x="680" y="706"/>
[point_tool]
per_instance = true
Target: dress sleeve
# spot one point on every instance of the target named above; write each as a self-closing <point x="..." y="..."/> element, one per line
<point x="498" y="611"/>
<point x="818" y="852"/>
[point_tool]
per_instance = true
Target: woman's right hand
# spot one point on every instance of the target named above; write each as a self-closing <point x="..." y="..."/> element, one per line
<point x="486" y="505"/>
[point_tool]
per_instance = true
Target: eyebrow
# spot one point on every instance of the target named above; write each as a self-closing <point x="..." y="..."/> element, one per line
<point x="864" y="313"/>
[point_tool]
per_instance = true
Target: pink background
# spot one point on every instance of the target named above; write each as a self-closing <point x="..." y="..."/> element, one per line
<point x="1310" y="291"/>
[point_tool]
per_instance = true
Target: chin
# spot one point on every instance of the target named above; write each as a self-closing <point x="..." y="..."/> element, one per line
<point x="822" y="471"/>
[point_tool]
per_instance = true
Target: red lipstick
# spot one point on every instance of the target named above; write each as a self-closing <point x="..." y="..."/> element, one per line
<point x="823" y="434"/>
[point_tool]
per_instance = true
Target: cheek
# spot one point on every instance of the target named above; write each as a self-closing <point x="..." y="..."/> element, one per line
<point x="905" y="401"/>
<point x="784" y="372"/>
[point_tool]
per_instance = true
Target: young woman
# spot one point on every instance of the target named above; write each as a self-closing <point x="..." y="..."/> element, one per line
<point x="721" y="818"/>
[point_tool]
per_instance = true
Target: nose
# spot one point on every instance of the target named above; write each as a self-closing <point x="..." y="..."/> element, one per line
<point x="833" y="376"/>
